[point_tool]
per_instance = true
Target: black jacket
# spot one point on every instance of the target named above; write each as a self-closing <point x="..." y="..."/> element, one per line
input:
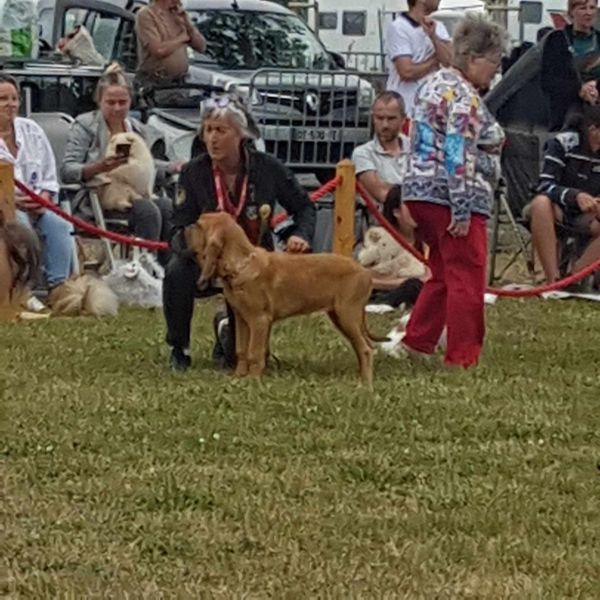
<point x="560" y="80"/>
<point x="569" y="168"/>
<point x="269" y="182"/>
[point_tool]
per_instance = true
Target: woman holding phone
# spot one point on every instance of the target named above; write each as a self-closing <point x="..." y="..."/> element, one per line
<point x="86" y="148"/>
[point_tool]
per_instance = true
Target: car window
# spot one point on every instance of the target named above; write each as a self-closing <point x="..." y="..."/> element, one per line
<point x="252" y="40"/>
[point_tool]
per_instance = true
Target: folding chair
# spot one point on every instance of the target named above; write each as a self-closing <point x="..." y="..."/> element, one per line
<point x="521" y="164"/>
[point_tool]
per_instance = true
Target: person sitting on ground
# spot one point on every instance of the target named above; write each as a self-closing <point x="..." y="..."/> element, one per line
<point x="571" y="63"/>
<point x="24" y="144"/>
<point x="569" y="193"/>
<point x="164" y="32"/>
<point x="416" y="46"/>
<point x="86" y="148"/>
<point x="234" y="177"/>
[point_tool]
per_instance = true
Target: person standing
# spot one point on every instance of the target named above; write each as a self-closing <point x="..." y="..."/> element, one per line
<point x="416" y="46"/>
<point x="449" y="189"/>
<point x="571" y="63"/>
<point x="164" y="32"/>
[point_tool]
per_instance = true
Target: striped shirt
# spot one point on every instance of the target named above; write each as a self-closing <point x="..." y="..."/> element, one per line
<point x="567" y="170"/>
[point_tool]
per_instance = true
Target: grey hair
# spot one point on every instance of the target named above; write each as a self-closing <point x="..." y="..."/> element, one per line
<point x="235" y="110"/>
<point x="477" y="37"/>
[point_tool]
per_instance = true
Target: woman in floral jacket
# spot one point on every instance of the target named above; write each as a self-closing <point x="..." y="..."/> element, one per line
<point x="449" y="189"/>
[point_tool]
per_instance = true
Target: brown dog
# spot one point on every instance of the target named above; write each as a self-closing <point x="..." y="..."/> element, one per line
<point x="263" y="287"/>
<point x="19" y="263"/>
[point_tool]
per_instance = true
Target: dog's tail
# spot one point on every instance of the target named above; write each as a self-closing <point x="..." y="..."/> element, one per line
<point x="84" y="295"/>
<point x="24" y="252"/>
<point x="369" y="336"/>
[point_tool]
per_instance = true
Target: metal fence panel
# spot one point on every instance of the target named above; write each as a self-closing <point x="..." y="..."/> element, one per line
<point x="312" y="119"/>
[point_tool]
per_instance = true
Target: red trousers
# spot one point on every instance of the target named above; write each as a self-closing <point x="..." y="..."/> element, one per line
<point x="453" y="296"/>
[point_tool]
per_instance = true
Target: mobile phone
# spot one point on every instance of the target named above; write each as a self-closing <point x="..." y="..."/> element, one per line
<point x="122" y="150"/>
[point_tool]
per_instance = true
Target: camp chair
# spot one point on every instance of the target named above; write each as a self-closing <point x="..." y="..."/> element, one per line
<point x="518" y="187"/>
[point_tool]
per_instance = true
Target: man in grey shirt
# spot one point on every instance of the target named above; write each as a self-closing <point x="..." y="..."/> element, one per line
<point x="381" y="163"/>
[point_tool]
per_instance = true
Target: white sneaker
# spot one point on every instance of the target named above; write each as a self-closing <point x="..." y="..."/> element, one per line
<point x="35" y="305"/>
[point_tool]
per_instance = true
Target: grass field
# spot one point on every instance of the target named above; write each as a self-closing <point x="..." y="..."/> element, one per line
<point x="121" y="479"/>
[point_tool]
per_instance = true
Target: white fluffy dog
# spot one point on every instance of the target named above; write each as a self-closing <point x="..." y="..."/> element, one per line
<point x="384" y="255"/>
<point x="134" y="180"/>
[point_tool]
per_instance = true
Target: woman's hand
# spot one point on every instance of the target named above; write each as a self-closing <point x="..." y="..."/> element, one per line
<point x="26" y="204"/>
<point x="458" y="228"/>
<point x="296" y="245"/>
<point x="109" y="163"/>
<point x="589" y="92"/>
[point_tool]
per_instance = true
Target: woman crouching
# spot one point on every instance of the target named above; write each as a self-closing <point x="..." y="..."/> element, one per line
<point x="449" y="190"/>
<point x="231" y="176"/>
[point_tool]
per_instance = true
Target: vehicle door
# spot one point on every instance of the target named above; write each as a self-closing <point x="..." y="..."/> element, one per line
<point x="111" y="27"/>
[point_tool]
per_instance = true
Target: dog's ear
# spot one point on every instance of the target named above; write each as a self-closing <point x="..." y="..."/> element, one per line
<point x="212" y="254"/>
<point x="194" y="239"/>
<point x="374" y="235"/>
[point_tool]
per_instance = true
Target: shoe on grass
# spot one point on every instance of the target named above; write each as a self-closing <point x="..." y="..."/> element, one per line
<point x="180" y="359"/>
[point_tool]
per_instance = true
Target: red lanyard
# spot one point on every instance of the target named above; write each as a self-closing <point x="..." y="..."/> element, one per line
<point x="223" y="199"/>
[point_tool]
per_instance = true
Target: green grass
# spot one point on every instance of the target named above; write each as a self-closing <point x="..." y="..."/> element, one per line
<point x="123" y="480"/>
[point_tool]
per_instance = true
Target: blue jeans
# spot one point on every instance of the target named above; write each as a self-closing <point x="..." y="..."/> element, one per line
<point x="58" y="246"/>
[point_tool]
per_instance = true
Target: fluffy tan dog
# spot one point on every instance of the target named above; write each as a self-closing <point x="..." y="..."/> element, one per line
<point x="83" y="295"/>
<point x="19" y="263"/>
<point x="263" y="287"/>
<point x="384" y="255"/>
<point x="132" y="181"/>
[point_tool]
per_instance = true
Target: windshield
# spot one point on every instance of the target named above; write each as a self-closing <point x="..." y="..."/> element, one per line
<point x="252" y="40"/>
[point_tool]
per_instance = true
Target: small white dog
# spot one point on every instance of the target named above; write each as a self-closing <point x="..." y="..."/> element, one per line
<point x="385" y="256"/>
<point x="134" y="180"/>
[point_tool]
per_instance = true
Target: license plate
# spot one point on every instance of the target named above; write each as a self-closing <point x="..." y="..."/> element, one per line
<point x="308" y="134"/>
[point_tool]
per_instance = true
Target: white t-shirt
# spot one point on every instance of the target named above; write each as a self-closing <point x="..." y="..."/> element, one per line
<point x="35" y="165"/>
<point x="405" y="37"/>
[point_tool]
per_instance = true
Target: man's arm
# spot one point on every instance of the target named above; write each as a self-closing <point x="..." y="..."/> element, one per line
<point x="294" y="199"/>
<point x="552" y="173"/>
<point x="411" y="71"/>
<point x="440" y="39"/>
<point x="376" y="187"/>
<point x="197" y="41"/>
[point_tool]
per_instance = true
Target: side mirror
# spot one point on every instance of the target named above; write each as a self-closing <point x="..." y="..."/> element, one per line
<point x="338" y="60"/>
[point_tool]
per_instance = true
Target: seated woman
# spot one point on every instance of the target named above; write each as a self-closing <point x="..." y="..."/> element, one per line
<point x="86" y="147"/>
<point x="571" y="63"/>
<point x="234" y="177"/>
<point x="24" y="144"/>
<point x="569" y="193"/>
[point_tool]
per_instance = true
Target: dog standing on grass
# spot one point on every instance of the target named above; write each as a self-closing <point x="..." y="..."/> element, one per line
<point x="263" y="287"/>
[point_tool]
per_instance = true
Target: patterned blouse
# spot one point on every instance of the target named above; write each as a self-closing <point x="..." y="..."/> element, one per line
<point x="455" y="149"/>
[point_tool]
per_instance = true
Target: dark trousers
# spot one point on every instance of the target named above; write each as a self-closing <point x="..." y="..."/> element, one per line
<point x="180" y="288"/>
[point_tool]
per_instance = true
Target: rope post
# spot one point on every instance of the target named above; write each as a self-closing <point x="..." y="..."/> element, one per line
<point x="7" y="191"/>
<point x="345" y="199"/>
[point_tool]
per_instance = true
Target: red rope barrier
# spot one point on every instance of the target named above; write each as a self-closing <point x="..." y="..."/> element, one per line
<point x="526" y="293"/>
<point x="85" y="226"/>
<point x="132" y="241"/>
<point x="314" y="196"/>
